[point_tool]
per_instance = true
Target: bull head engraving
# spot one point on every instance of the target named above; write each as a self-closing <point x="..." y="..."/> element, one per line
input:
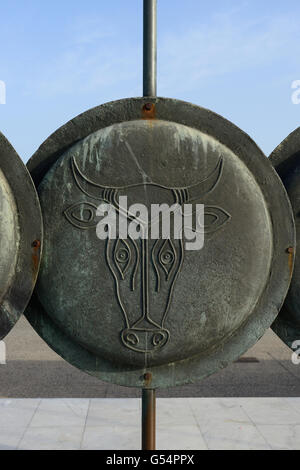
<point x="144" y="270"/>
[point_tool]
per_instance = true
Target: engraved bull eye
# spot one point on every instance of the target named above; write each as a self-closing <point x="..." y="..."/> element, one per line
<point x="82" y="215"/>
<point x="167" y="257"/>
<point x="122" y="256"/>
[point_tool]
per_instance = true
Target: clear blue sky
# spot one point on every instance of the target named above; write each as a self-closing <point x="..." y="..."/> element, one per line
<point x="235" y="57"/>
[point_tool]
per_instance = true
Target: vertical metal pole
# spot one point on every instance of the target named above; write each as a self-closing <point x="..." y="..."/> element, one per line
<point x="149" y="89"/>
<point x="150" y="48"/>
<point x="148" y="419"/>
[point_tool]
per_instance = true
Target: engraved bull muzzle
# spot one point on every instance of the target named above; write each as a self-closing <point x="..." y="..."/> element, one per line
<point x="144" y="271"/>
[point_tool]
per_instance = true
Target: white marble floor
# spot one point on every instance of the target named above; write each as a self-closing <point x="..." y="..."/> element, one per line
<point x="182" y="423"/>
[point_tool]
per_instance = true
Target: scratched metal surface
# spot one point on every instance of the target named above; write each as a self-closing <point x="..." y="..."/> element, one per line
<point x="119" y="310"/>
<point x="20" y="226"/>
<point x="286" y="160"/>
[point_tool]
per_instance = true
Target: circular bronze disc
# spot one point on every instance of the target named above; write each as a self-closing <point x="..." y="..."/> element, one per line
<point x="286" y="160"/>
<point x="20" y="235"/>
<point x="120" y="308"/>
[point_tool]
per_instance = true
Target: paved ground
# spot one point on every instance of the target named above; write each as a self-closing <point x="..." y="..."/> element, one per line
<point x="198" y="423"/>
<point x="33" y="370"/>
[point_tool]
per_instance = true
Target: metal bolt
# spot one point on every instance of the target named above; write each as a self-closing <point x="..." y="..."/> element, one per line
<point x="148" y="377"/>
<point x="148" y="106"/>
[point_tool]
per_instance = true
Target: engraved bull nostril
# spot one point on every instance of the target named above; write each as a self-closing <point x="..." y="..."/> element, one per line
<point x="132" y="339"/>
<point x="145" y="340"/>
<point x="158" y="339"/>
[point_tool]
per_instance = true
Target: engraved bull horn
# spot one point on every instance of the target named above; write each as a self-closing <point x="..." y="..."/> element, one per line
<point x="108" y="193"/>
<point x="196" y="191"/>
<point x="91" y="189"/>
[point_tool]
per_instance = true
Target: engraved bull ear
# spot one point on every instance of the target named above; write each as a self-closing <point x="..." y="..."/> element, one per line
<point x="214" y="218"/>
<point x="198" y="190"/>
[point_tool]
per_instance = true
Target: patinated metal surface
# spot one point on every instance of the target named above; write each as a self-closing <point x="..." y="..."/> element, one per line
<point x="123" y="309"/>
<point x="286" y="160"/>
<point x="20" y="235"/>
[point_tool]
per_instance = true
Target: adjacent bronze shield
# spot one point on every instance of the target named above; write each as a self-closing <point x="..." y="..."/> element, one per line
<point x="20" y="236"/>
<point x="120" y="308"/>
<point x="286" y="160"/>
